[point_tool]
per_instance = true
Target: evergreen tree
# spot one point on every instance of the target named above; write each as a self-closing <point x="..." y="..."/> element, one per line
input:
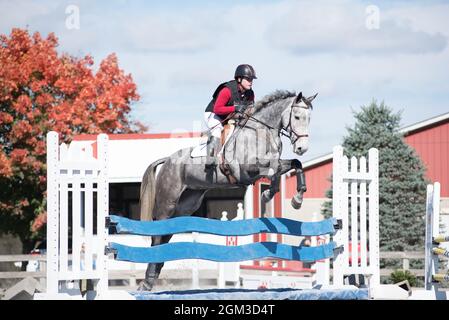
<point x="402" y="183"/>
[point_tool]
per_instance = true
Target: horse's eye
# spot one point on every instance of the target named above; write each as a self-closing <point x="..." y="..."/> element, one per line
<point x="296" y="117"/>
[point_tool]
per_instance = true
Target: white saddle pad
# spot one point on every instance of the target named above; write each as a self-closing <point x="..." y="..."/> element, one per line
<point x="201" y="149"/>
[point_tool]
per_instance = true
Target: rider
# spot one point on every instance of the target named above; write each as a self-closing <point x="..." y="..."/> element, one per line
<point x="229" y="97"/>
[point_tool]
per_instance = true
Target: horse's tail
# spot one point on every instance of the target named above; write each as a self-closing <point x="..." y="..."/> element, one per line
<point x="148" y="190"/>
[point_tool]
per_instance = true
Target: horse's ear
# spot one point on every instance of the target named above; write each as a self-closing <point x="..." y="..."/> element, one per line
<point x="310" y="99"/>
<point x="298" y="98"/>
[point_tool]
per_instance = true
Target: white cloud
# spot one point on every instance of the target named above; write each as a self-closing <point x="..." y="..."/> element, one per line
<point x="178" y="57"/>
<point x="321" y="27"/>
<point x="21" y="13"/>
<point x="170" y="33"/>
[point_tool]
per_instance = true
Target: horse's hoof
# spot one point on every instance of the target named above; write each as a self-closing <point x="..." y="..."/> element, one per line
<point x="297" y="201"/>
<point x="144" y="286"/>
<point x="267" y="196"/>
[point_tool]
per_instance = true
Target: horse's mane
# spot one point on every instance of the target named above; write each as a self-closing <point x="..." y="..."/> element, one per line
<point x="277" y="95"/>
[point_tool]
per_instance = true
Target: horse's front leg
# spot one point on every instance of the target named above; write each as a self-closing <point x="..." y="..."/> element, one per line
<point x="300" y="183"/>
<point x="268" y="194"/>
<point x="285" y="166"/>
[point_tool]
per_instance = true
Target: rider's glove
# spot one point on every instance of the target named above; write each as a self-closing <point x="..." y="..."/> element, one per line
<point x="240" y="108"/>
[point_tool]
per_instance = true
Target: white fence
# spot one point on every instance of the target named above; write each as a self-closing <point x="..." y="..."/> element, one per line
<point x="76" y="183"/>
<point x="356" y="203"/>
<point x="436" y="245"/>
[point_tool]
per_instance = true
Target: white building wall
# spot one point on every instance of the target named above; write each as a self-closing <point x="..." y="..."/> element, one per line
<point x="128" y="159"/>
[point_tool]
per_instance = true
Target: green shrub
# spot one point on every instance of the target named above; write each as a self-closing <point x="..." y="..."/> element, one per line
<point x="401" y="275"/>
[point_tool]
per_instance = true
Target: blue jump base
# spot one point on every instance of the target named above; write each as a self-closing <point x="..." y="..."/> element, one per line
<point x="246" y="294"/>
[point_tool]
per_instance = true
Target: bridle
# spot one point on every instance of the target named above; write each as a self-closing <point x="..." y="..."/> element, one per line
<point x="292" y="131"/>
<point x="282" y="129"/>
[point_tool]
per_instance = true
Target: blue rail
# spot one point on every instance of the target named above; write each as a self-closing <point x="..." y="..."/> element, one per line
<point x="222" y="228"/>
<point x="205" y="251"/>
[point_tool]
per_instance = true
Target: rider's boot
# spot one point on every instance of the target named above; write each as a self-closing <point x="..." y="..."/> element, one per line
<point x="213" y="147"/>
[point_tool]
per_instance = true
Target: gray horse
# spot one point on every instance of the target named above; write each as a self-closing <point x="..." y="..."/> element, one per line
<point x="253" y="151"/>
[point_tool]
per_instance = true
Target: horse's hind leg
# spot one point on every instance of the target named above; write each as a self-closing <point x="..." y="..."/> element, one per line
<point x="164" y="208"/>
<point x="189" y="201"/>
<point x="167" y="208"/>
<point x="153" y="269"/>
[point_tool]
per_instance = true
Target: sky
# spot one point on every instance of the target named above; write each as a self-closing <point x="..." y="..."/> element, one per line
<point x="349" y="52"/>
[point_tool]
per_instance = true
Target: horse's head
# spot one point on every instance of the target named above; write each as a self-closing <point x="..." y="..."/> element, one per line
<point x="296" y="121"/>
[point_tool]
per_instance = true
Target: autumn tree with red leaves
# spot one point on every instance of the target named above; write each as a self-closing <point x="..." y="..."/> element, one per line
<point x="41" y="91"/>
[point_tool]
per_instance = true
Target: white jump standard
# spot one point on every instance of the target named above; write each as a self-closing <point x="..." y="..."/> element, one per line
<point x="433" y="251"/>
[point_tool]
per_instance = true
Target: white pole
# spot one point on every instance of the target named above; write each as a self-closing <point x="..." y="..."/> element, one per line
<point x="248" y="202"/>
<point x="102" y="212"/>
<point x="52" y="212"/>
<point x="221" y="282"/>
<point x="339" y="192"/>
<point x="195" y="271"/>
<point x="373" y="217"/>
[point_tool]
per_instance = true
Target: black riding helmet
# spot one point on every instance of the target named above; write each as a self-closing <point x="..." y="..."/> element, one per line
<point x="245" y="71"/>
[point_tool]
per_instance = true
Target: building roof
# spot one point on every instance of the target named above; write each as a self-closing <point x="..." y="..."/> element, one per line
<point x="139" y="136"/>
<point x="422" y="125"/>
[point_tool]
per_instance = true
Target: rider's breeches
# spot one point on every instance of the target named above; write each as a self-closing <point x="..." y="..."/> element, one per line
<point x="213" y="122"/>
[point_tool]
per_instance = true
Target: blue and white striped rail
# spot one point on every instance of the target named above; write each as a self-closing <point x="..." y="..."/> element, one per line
<point x="222" y="228"/>
<point x="219" y="253"/>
